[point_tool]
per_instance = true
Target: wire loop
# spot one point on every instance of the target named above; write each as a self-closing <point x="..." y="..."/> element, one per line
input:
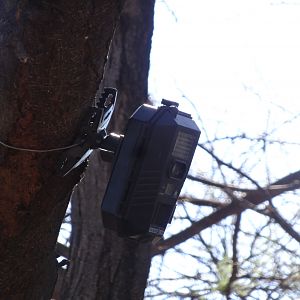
<point x="38" y="150"/>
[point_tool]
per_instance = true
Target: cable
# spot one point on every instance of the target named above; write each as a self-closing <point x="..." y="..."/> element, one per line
<point x="38" y="150"/>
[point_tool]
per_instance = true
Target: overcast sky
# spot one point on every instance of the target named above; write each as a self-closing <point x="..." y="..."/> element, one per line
<point x="238" y="61"/>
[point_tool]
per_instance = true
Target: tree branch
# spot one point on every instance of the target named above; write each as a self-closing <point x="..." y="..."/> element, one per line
<point x="230" y="166"/>
<point x="234" y="272"/>
<point x="216" y="184"/>
<point x="255" y="197"/>
<point x="273" y="213"/>
<point x="202" y="202"/>
<point x="273" y="187"/>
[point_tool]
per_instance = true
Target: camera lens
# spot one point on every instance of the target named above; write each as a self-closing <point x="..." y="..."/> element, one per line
<point x="178" y="170"/>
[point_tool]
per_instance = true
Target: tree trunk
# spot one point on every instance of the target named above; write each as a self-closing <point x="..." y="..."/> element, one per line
<point x="52" y="56"/>
<point x="102" y="265"/>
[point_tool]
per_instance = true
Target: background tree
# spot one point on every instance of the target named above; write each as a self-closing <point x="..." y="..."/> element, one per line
<point x="102" y="265"/>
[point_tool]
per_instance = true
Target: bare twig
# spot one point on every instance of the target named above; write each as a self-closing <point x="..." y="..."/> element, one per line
<point x="235" y="262"/>
<point x="202" y="202"/>
<point x="273" y="187"/>
<point x="230" y="166"/>
<point x="273" y="213"/>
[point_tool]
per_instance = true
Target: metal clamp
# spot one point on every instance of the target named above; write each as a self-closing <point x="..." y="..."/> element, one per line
<point x="92" y="132"/>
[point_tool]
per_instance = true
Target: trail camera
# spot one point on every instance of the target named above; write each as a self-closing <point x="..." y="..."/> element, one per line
<point x="151" y="162"/>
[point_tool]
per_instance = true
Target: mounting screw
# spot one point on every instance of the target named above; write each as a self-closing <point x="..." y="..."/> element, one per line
<point x="169" y="103"/>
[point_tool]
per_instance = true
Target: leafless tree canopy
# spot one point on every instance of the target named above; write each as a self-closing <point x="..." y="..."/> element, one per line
<point x="240" y="236"/>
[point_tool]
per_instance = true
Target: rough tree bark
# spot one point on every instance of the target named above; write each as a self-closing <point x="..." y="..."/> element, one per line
<point x="103" y="266"/>
<point x="52" y="55"/>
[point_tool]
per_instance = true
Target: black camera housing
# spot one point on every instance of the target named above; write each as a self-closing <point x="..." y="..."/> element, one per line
<point x="150" y="167"/>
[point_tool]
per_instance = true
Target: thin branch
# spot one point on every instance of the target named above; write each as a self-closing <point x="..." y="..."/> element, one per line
<point x="230" y="166"/>
<point x="243" y="136"/>
<point x="209" y="250"/>
<point x="273" y="187"/>
<point x="235" y="262"/>
<point x="273" y="213"/>
<point x="170" y="10"/>
<point x="217" y="184"/>
<point x="202" y="202"/>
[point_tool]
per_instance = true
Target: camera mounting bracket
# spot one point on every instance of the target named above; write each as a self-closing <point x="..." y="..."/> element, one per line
<point x="150" y="163"/>
<point x="92" y="134"/>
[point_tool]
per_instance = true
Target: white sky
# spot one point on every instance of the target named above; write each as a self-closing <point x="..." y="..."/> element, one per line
<point x="221" y="53"/>
<point x="238" y="61"/>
